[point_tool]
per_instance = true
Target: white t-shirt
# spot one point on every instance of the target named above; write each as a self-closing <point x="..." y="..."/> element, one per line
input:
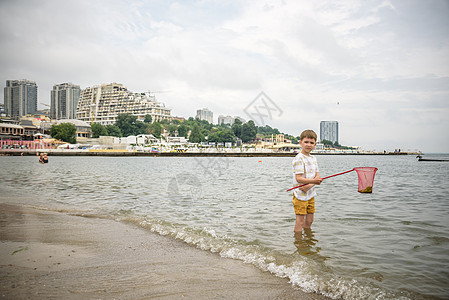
<point x="308" y="166"/>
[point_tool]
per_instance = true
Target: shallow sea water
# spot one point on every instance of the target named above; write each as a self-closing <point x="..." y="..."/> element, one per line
<point x="390" y="244"/>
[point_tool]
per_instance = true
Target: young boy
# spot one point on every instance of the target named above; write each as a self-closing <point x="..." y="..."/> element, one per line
<point x="305" y="171"/>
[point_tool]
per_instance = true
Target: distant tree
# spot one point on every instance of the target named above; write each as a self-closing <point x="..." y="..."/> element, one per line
<point x="129" y="125"/>
<point x="327" y="143"/>
<point x="205" y="124"/>
<point x="155" y="129"/>
<point x="222" y="135"/>
<point x="113" y="130"/>
<point x="237" y="128"/>
<point x="214" y="137"/>
<point x="228" y="135"/>
<point x="98" y="130"/>
<point x="183" y="130"/>
<point x="148" y="119"/>
<point x="267" y="130"/>
<point x="171" y="129"/>
<point x="292" y="138"/>
<point x="249" y="131"/>
<point x="204" y="131"/>
<point x="65" y="132"/>
<point x="196" y="136"/>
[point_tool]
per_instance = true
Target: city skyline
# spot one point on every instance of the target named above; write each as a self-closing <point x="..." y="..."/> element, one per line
<point x="380" y="68"/>
<point x="64" y="101"/>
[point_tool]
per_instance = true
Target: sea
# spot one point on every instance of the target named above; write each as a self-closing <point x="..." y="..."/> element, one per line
<point x="392" y="243"/>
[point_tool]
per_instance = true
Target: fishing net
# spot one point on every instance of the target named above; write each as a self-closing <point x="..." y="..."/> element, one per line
<point x="366" y="179"/>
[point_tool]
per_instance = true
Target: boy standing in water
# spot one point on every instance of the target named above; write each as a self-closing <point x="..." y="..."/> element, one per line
<point x="305" y="171"/>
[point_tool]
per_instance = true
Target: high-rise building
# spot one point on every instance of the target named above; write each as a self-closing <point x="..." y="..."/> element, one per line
<point x="229" y="120"/>
<point x="225" y="120"/>
<point x="20" y="98"/>
<point x="64" y="101"/>
<point x="329" y="131"/>
<point x="103" y="103"/>
<point x="205" y="114"/>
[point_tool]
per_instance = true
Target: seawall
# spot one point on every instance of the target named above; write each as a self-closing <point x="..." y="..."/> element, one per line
<point x="51" y="152"/>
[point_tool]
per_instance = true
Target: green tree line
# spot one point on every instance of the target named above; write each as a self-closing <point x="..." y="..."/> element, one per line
<point x="200" y="130"/>
<point x="334" y="145"/>
<point x="65" y="132"/>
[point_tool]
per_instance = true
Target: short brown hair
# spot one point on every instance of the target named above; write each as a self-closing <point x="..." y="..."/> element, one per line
<point x="308" y="134"/>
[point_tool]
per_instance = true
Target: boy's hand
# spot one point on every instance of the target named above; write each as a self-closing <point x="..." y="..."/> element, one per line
<point x="317" y="180"/>
<point x="306" y="187"/>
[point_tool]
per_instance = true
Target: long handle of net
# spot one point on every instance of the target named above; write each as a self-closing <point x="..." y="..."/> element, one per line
<point x="322" y="178"/>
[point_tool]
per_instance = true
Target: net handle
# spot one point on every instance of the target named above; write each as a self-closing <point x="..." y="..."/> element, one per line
<point x="322" y="178"/>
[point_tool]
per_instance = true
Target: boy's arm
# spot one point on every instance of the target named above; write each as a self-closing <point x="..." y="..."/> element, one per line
<point x="309" y="185"/>
<point x="302" y="180"/>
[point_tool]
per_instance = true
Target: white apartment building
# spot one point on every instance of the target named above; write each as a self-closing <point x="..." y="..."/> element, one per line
<point x="103" y="103"/>
<point x="225" y="120"/>
<point x="205" y="114"/>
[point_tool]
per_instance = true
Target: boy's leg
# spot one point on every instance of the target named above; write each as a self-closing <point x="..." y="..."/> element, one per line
<point x="300" y="212"/>
<point x="299" y="223"/>
<point x="310" y="211"/>
<point x="309" y="220"/>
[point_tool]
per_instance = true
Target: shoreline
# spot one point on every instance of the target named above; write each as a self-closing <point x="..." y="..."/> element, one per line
<point x="53" y="152"/>
<point x="48" y="254"/>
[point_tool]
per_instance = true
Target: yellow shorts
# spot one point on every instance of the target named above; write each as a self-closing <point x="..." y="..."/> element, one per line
<point x="304" y="207"/>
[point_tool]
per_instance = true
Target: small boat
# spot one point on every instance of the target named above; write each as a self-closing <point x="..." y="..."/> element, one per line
<point x="430" y="159"/>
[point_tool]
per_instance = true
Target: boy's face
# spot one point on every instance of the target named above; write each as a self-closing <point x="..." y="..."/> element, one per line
<point x="307" y="145"/>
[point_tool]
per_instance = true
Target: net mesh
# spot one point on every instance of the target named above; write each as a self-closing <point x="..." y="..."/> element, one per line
<point x="366" y="179"/>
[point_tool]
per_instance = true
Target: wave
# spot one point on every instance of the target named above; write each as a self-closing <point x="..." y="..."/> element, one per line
<point x="307" y="273"/>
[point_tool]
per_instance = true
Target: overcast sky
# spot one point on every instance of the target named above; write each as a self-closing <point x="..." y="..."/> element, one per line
<point x="379" y="68"/>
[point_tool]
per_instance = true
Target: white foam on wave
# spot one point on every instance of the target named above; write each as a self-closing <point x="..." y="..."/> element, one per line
<point x="303" y="273"/>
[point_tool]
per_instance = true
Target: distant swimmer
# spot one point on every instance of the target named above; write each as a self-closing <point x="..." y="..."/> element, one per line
<point x="43" y="158"/>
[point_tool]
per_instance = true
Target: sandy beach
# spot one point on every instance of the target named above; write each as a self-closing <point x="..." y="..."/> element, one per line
<point x="46" y="254"/>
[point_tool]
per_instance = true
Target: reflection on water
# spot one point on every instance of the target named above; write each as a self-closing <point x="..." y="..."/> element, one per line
<point x="306" y="244"/>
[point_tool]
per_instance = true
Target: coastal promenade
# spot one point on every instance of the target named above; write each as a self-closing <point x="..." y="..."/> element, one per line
<point x="115" y="153"/>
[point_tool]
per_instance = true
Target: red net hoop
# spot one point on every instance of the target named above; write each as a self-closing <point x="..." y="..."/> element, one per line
<point x="366" y="179"/>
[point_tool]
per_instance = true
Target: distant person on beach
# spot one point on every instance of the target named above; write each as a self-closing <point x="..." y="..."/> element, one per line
<point x="305" y="171"/>
<point x="43" y="158"/>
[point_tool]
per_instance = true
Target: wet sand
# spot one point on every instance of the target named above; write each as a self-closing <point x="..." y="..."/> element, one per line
<point x="45" y="254"/>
